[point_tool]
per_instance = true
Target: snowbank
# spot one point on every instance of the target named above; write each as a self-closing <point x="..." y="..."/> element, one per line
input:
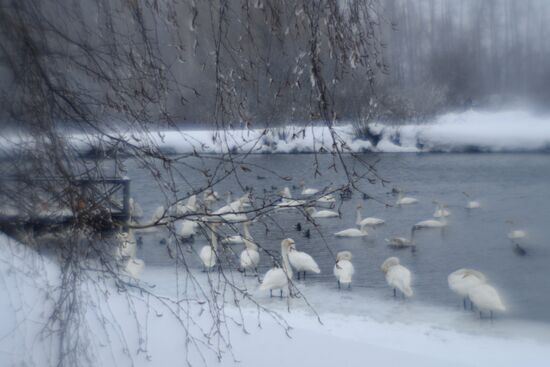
<point x="470" y="131"/>
<point x="27" y="281"/>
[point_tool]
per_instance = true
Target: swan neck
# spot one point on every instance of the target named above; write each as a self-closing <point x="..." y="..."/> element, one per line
<point x="286" y="265"/>
<point x="246" y="231"/>
<point x="214" y="238"/>
<point x="358" y="217"/>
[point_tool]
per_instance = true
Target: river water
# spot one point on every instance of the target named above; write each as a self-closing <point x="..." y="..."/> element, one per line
<point x="510" y="187"/>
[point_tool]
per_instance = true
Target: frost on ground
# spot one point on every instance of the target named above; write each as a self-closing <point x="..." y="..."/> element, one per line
<point x="355" y="329"/>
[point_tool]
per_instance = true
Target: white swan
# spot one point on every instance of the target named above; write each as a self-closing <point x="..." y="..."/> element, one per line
<point x="277" y="278"/>
<point x="290" y="203"/>
<point x="209" y="197"/>
<point x="189" y="207"/>
<point x="462" y="280"/>
<point x="134" y="267"/>
<point x="429" y="223"/>
<point x="238" y="238"/>
<point x="127" y="245"/>
<point x="441" y="211"/>
<point x="285" y="193"/>
<point x="234" y="206"/>
<point x="135" y="209"/>
<point x="228" y="197"/>
<point x="208" y="253"/>
<point x="188" y="229"/>
<point x="472" y="204"/>
<point x="302" y="262"/>
<point x="287" y="201"/>
<point x="307" y="191"/>
<point x="250" y="257"/>
<point x="352" y="232"/>
<point x="314" y="213"/>
<point x="517" y="234"/>
<point x="399" y="242"/>
<point x="369" y="221"/>
<point x="228" y="214"/>
<point x="126" y="252"/>
<point x="159" y="215"/>
<point x="405" y="200"/>
<point x="327" y="199"/>
<point x="343" y="269"/>
<point x="397" y="276"/>
<point x="486" y="298"/>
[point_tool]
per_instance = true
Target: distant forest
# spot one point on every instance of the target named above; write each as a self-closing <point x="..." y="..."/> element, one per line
<point x="267" y="62"/>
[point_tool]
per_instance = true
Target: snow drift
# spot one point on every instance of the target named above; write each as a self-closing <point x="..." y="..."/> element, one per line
<point x="351" y="338"/>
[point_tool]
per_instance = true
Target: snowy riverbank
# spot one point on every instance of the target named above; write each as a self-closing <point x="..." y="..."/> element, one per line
<point x="356" y="331"/>
<point x="469" y="131"/>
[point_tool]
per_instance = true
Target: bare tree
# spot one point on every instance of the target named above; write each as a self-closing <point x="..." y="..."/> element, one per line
<point x="116" y="73"/>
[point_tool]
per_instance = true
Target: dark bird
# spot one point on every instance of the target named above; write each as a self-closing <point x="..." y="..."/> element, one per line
<point x="307" y="233"/>
<point x="519" y="250"/>
<point x="298" y="226"/>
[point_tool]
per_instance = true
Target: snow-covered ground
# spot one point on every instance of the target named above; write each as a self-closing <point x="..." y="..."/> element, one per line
<point x="355" y="331"/>
<point x="469" y="131"/>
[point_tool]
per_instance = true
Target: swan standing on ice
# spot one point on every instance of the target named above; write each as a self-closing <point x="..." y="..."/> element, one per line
<point x="352" y="232"/>
<point x="369" y="221"/>
<point x="397" y="276"/>
<point x="405" y="200"/>
<point x="277" y="278"/>
<point x="208" y="253"/>
<point x="472" y="204"/>
<point x="134" y="267"/>
<point x="127" y="254"/>
<point x="343" y="269"/>
<point x="462" y="280"/>
<point x="314" y="213"/>
<point x="127" y="245"/>
<point x="250" y="257"/>
<point x="307" y="191"/>
<point x="302" y="262"/>
<point x="486" y="298"/>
